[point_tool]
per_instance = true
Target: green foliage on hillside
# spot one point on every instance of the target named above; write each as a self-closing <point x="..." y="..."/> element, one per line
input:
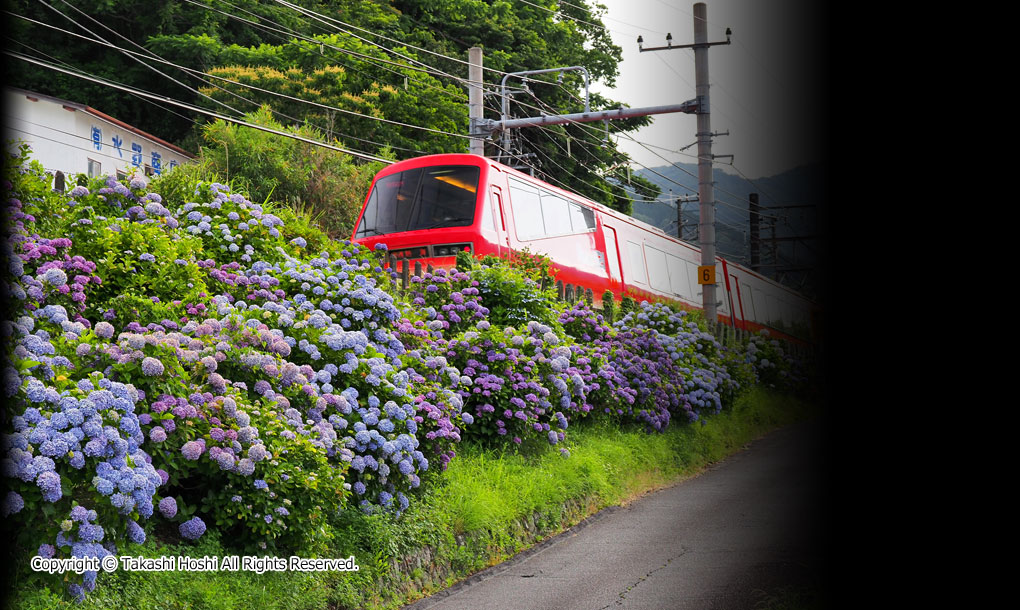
<point x="363" y="73"/>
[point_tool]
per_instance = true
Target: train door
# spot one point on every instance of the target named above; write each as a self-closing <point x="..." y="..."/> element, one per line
<point x="736" y="303"/>
<point x="499" y="218"/>
<point x="612" y="254"/>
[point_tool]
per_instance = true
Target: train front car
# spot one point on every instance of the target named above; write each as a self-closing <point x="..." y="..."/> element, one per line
<point x="427" y="209"/>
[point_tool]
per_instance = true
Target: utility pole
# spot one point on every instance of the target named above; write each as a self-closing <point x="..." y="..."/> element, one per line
<point x="775" y="248"/>
<point x="679" y="203"/>
<point x="475" y="104"/>
<point x="679" y="216"/>
<point x="706" y="188"/>
<point x="755" y="236"/>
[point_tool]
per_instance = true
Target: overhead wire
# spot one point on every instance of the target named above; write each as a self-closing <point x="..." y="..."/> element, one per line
<point x="98" y="37"/>
<point x="257" y="104"/>
<point x="631" y="138"/>
<point x="305" y="10"/>
<point x="604" y="17"/>
<point x="538" y="150"/>
<point x="545" y="131"/>
<point x="367" y="58"/>
<point x="321" y="18"/>
<point x="91" y="150"/>
<point x="86" y="76"/>
<point x="67" y="65"/>
<point x="718" y="200"/>
<point x="262" y="90"/>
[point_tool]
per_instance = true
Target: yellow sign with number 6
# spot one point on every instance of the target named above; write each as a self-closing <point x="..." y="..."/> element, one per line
<point x="706" y="274"/>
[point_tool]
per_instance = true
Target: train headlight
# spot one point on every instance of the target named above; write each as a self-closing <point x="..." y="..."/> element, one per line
<point x="450" y="249"/>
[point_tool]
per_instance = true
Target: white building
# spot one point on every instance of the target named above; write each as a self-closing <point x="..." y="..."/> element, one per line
<point x="72" y="138"/>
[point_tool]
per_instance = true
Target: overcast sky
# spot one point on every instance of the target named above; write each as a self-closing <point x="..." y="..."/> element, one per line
<point x="764" y="86"/>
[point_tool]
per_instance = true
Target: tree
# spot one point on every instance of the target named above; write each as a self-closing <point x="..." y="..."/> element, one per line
<point x="356" y="61"/>
<point x="327" y="184"/>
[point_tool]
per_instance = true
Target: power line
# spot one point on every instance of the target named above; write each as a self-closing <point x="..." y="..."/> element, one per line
<point x="142" y="99"/>
<point x="367" y="58"/>
<point x="98" y="37"/>
<point x="631" y="138"/>
<point x="89" y="77"/>
<point x="322" y="19"/>
<point x="607" y="17"/>
<point x="337" y="21"/>
<point x="91" y="151"/>
<point x="267" y="91"/>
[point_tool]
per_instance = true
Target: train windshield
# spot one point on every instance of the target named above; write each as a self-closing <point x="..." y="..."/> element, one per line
<point x="423" y="198"/>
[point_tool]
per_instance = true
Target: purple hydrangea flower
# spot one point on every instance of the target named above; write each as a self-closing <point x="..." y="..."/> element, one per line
<point x="192" y="529"/>
<point x="168" y="507"/>
<point x="80" y="514"/>
<point x="152" y="367"/>
<point x="192" y="450"/>
<point x="104" y="330"/>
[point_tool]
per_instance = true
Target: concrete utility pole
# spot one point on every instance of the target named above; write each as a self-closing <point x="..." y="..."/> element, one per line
<point x="706" y="188"/>
<point x="475" y="105"/>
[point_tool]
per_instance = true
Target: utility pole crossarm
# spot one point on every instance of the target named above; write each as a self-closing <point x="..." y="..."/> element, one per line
<point x="670" y="46"/>
<point x="488" y="126"/>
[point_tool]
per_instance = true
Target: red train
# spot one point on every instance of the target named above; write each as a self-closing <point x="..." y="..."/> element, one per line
<point x="429" y="208"/>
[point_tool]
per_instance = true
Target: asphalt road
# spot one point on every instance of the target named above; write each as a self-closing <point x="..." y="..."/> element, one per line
<point x="750" y="523"/>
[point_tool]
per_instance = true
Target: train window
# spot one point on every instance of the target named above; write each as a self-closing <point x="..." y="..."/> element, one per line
<point x="678" y="277"/>
<point x="527" y="210"/>
<point x="747" y="301"/>
<point x="582" y="219"/>
<point x="692" y="281"/>
<point x="556" y="212"/>
<point x="658" y="272"/>
<point x="760" y="306"/>
<point x="773" y="308"/>
<point x="637" y="263"/>
<point x="424" y="198"/>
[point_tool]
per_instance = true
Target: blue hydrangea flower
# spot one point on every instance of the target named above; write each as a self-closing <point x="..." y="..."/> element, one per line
<point x="192" y="529"/>
<point x="13" y="503"/>
<point x="135" y="532"/>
